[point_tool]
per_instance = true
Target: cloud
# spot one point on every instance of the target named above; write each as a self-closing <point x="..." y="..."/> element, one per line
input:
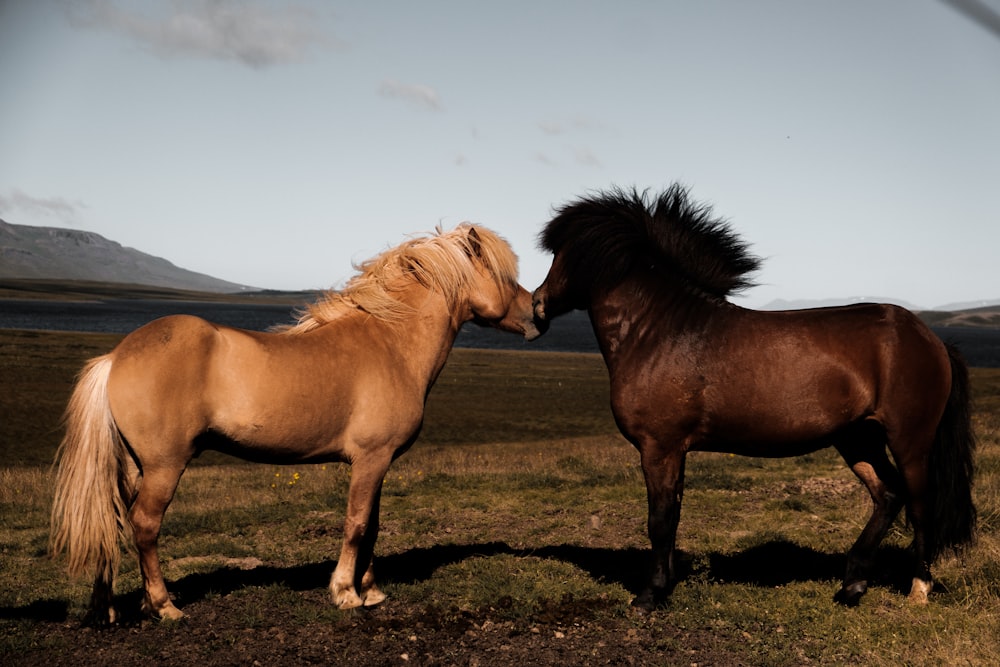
<point x="585" y="157"/>
<point x="557" y="127"/>
<point x="544" y="159"/>
<point x="551" y="128"/>
<point x="569" y="130"/>
<point x="66" y="211"/>
<point x="418" y="94"/>
<point x="245" y="32"/>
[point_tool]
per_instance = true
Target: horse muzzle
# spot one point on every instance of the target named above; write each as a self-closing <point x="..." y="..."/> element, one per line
<point x="535" y="328"/>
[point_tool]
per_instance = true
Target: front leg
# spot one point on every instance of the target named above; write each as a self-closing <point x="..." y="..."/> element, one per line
<point x="664" y="473"/>
<point x="360" y="532"/>
<point x="369" y="590"/>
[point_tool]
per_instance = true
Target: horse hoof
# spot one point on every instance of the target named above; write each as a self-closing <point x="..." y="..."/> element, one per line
<point x="374" y="597"/>
<point x="166" y="612"/>
<point x="850" y="596"/>
<point x="647" y="601"/>
<point x="347" y="600"/>
<point x="919" y="590"/>
<point x="100" y="618"/>
<point x="641" y="608"/>
<point x="169" y="614"/>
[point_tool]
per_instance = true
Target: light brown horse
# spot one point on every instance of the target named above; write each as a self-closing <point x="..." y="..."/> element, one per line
<point x="691" y="371"/>
<point x="347" y="383"/>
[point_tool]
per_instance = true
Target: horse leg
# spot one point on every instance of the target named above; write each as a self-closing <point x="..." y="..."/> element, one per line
<point x="360" y="532"/>
<point x="101" y="611"/>
<point x="869" y="462"/>
<point x="918" y="510"/>
<point x="664" y="473"/>
<point x="156" y="490"/>
<point x="371" y="595"/>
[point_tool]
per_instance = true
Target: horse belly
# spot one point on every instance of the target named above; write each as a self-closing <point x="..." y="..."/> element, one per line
<point x="297" y="426"/>
<point x="787" y="417"/>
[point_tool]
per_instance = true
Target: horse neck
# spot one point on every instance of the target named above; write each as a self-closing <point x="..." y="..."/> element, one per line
<point x="427" y="335"/>
<point x="636" y="311"/>
<point x="418" y="343"/>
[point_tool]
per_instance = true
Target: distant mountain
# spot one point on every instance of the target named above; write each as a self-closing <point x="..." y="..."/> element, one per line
<point x="782" y="304"/>
<point x="969" y="305"/>
<point x="978" y="314"/>
<point x="988" y="317"/>
<point x="54" y="253"/>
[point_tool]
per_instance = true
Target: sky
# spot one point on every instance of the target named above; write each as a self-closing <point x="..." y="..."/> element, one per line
<point x="854" y="144"/>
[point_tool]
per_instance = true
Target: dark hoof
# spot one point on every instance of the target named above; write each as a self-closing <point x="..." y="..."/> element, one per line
<point x="100" y="618"/>
<point x="647" y="601"/>
<point x="850" y="596"/>
<point x="642" y="608"/>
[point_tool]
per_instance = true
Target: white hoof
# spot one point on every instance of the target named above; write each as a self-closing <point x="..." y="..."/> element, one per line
<point x="374" y="596"/>
<point x="346" y="599"/>
<point x="919" y="590"/>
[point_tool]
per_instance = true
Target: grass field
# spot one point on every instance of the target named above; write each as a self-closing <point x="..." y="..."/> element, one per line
<point x="514" y="531"/>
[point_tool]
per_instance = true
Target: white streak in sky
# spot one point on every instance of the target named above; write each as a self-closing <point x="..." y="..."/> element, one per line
<point x="418" y="94"/>
<point x="244" y="32"/>
<point x="17" y="202"/>
<point x="585" y="157"/>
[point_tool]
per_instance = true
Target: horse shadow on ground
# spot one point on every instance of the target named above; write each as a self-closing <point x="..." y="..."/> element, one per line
<point x="771" y="564"/>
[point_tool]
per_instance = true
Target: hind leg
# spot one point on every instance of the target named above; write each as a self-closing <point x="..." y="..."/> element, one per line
<point x="870" y="463"/>
<point x="918" y="511"/>
<point x="101" y="611"/>
<point x="155" y="493"/>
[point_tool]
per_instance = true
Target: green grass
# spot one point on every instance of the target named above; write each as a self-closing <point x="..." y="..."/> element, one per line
<point x="519" y="508"/>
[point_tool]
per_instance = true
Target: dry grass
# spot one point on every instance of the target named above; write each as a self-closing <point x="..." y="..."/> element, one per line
<point x="501" y="525"/>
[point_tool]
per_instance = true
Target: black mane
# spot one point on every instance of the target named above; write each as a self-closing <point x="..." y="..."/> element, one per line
<point x="603" y="237"/>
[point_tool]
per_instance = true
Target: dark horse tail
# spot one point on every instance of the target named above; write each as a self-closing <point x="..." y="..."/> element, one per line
<point x="952" y="466"/>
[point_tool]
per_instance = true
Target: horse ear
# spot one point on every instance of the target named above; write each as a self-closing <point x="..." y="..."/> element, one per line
<point x="475" y="243"/>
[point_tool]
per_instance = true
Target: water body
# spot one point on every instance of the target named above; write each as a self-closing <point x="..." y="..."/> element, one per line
<point x="569" y="333"/>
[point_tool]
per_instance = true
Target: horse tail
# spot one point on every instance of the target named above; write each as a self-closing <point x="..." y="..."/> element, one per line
<point x="952" y="466"/>
<point x="93" y="484"/>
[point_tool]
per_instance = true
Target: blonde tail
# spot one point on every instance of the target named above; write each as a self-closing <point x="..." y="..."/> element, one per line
<point x="93" y="485"/>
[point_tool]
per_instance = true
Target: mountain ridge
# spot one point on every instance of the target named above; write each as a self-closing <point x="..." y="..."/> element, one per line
<point x="58" y="253"/>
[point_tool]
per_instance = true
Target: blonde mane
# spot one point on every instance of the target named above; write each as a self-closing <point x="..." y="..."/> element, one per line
<point x="442" y="262"/>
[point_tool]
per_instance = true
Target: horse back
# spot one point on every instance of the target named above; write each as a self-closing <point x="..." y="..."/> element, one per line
<point x="783" y="378"/>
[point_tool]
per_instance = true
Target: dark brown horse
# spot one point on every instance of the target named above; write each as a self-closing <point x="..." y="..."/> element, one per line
<point x="691" y="371"/>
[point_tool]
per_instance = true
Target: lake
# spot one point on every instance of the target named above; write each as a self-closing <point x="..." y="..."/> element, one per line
<point x="570" y="333"/>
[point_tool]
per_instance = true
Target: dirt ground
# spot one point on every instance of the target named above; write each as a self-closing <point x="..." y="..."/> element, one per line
<point x="215" y="633"/>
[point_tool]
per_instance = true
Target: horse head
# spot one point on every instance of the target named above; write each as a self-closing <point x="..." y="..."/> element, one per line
<point x="495" y="298"/>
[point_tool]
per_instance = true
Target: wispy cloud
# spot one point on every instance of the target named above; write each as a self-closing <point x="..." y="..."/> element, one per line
<point x="245" y="32"/>
<point x="417" y="94"/>
<point x="544" y="159"/>
<point x="551" y="128"/>
<point x="585" y="157"/>
<point x="569" y="130"/>
<point x="19" y="203"/>
<point x="557" y="127"/>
